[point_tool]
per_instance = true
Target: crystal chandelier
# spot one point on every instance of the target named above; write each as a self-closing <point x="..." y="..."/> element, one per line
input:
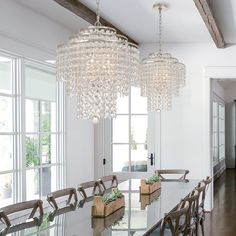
<point x="162" y="76"/>
<point x="97" y="65"/>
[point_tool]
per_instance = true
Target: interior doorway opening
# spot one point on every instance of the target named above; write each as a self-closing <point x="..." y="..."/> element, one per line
<point x="223" y="125"/>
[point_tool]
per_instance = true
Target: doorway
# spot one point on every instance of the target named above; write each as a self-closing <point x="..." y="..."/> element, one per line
<point x="126" y="144"/>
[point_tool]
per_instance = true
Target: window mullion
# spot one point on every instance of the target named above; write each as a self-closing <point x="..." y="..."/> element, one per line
<point x="22" y="147"/>
<point x="129" y="117"/>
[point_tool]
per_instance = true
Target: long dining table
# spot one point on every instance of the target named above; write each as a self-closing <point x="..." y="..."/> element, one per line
<point x="140" y="215"/>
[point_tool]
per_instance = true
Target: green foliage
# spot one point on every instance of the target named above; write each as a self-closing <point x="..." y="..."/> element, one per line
<point x="152" y="179"/>
<point x="132" y="140"/>
<point x="31" y="152"/>
<point x="112" y="196"/>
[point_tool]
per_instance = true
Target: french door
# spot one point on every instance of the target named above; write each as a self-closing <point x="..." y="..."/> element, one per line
<point x="129" y="148"/>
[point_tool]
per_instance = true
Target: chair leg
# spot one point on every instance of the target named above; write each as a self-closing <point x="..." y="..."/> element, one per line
<point x="196" y="228"/>
<point x="202" y="227"/>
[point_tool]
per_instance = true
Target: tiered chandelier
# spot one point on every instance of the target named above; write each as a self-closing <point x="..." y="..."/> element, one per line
<point x="97" y="65"/>
<point x="162" y="76"/>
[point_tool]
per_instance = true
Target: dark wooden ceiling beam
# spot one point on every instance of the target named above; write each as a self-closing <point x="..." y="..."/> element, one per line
<point x="88" y="15"/>
<point x="210" y="22"/>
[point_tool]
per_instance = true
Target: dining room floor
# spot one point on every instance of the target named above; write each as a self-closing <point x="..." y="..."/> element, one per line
<point x="221" y="221"/>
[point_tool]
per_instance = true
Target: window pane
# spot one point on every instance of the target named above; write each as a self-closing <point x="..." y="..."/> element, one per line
<point x="6" y="189"/>
<point x="121" y="129"/>
<point x="138" y="103"/>
<point x="32" y="115"/>
<point x="6" y="152"/>
<point x="5" y="75"/>
<point x="6" y="114"/>
<point x="120" y="158"/>
<point x="48" y="116"/>
<point x="49" y="180"/>
<point x="32" y="150"/>
<point x="32" y="184"/>
<point x="48" y="148"/>
<point x="139" y="158"/>
<point x="138" y="130"/>
<point x="123" y="105"/>
<point x="40" y="84"/>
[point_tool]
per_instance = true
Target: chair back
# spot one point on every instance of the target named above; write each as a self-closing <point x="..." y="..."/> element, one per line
<point x="175" y="172"/>
<point x="70" y="192"/>
<point x="89" y="189"/>
<point x="207" y="182"/>
<point x="108" y="182"/>
<point x="175" y="220"/>
<point x="201" y="188"/>
<point x="18" y="207"/>
<point x="193" y="199"/>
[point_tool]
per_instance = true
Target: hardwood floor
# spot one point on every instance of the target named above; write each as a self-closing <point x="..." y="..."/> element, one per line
<point x="222" y="220"/>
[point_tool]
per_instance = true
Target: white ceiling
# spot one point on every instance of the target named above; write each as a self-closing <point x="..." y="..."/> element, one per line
<point x="225" y="12"/>
<point x="182" y="22"/>
<point x="226" y="83"/>
<point x="55" y="12"/>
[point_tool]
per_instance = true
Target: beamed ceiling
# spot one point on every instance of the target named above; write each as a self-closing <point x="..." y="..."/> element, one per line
<point x="186" y="21"/>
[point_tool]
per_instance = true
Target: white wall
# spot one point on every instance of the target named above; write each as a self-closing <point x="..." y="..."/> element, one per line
<point x="218" y="90"/>
<point x="230" y="96"/>
<point x="185" y="140"/>
<point x="186" y="129"/>
<point x="29" y="34"/>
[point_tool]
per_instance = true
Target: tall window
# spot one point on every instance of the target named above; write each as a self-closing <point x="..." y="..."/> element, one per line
<point x="7" y="131"/>
<point x="129" y="133"/>
<point x="31" y="131"/>
<point x="218" y="131"/>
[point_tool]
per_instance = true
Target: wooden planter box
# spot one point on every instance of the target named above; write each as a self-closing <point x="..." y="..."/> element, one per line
<point x="100" y="209"/>
<point x="100" y="224"/>
<point x="147" y="199"/>
<point x="149" y="188"/>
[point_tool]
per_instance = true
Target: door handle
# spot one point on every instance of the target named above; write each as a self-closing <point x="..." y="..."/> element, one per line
<point x="152" y="159"/>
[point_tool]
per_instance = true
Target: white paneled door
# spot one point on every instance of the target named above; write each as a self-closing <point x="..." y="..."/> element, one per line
<point x="128" y="140"/>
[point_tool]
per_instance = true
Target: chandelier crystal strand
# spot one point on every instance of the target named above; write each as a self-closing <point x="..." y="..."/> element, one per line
<point x="97" y="65"/>
<point x="162" y="76"/>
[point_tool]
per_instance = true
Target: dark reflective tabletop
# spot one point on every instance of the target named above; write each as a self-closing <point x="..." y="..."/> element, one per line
<point x="138" y="216"/>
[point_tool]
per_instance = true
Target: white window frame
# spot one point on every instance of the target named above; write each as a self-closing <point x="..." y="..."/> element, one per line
<point x="130" y="115"/>
<point x="19" y="132"/>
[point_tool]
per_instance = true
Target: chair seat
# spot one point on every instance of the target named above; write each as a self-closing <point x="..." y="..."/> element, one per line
<point x="167" y="232"/>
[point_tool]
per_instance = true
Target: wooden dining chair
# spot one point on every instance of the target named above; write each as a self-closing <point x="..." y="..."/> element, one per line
<point x="174" y="172"/>
<point x="89" y="189"/>
<point x="70" y="192"/>
<point x="35" y="205"/>
<point x="174" y="223"/>
<point x="193" y="199"/>
<point x="108" y="182"/>
<point x="202" y="188"/>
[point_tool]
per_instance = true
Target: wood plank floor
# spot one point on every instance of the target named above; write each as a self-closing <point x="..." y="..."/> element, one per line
<point x="222" y="220"/>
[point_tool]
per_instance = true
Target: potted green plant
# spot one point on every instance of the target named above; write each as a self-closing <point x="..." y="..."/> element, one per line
<point x="108" y="203"/>
<point x="150" y="185"/>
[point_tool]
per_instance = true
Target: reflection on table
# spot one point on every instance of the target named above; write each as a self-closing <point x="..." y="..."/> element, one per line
<point x="136" y="218"/>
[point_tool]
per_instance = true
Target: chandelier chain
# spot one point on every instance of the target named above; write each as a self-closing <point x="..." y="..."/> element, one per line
<point x="160" y="30"/>
<point x="97" y="23"/>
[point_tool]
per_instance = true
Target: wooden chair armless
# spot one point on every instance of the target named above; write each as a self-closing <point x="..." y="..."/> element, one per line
<point x="174" y="222"/>
<point x="92" y="185"/>
<point x="201" y="213"/>
<point x="18" y="207"/>
<point x="110" y="178"/>
<point x="193" y="199"/>
<point x="181" y="172"/>
<point x="51" y="197"/>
